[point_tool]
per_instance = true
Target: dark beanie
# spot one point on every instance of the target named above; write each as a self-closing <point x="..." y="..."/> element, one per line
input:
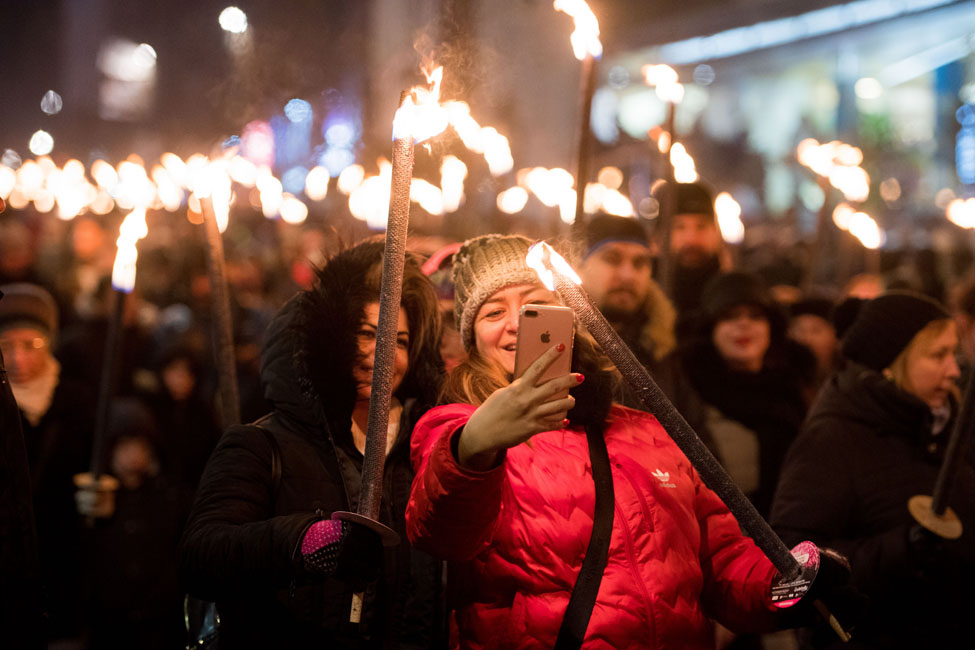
<point x="692" y="198"/>
<point x="604" y="228"/>
<point x="885" y="326"/>
<point x="846" y="312"/>
<point x="729" y="290"/>
<point x="25" y="304"/>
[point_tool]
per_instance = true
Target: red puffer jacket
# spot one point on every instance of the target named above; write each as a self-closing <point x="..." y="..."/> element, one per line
<point x="519" y="533"/>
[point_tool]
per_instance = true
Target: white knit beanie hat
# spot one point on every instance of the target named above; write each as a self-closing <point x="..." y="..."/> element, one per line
<point x="483" y="266"/>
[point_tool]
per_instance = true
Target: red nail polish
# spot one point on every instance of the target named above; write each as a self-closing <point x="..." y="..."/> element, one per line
<point x="560" y="347"/>
<point x="580" y="377"/>
<point x="565" y="423"/>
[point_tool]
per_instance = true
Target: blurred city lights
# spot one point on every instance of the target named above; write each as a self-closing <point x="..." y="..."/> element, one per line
<point x="298" y="111"/>
<point x="51" y="103"/>
<point x="233" y="20"/>
<point x="335" y="160"/>
<point x="890" y="190"/>
<point x="703" y="75"/>
<point x="293" y="180"/>
<point x="292" y="210"/>
<point x="868" y="88"/>
<point x="41" y="143"/>
<point x="350" y="178"/>
<point x="8" y="179"/>
<point x="340" y="134"/>
<point x="512" y="200"/>
<point x="11" y="159"/>
<point x="961" y="212"/>
<point x="316" y="184"/>
<point x="611" y="177"/>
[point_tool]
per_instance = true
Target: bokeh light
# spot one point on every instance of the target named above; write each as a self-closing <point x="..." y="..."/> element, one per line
<point x="41" y="143"/>
<point x="233" y="20"/>
<point x="51" y="103"/>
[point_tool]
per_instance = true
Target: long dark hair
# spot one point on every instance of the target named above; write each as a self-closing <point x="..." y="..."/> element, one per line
<point x="333" y="312"/>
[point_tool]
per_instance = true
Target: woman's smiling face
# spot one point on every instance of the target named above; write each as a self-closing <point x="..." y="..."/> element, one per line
<point x="496" y="323"/>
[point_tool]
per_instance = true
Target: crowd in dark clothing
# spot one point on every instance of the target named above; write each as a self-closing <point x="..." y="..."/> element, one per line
<point x="827" y="447"/>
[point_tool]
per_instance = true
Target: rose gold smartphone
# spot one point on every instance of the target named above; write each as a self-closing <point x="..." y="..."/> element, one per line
<point x="541" y="327"/>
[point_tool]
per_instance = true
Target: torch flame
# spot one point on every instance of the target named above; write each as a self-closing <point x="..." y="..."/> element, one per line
<point x="453" y="171"/>
<point x="685" y="171"/>
<point x="728" y="213"/>
<point x="864" y="228"/>
<point x="546" y="262"/>
<point x="421" y="116"/>
<point x="133" y="229"/>
<point x="585" y="38"/>
<point x="961" y="212"/>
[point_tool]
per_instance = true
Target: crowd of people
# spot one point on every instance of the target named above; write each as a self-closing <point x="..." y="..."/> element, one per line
<point x="529" y="513"/>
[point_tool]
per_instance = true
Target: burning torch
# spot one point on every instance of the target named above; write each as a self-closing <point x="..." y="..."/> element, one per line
<point x="797" y="577"/>
<point x="419" y="117"/>
<point x="587" y="49"/>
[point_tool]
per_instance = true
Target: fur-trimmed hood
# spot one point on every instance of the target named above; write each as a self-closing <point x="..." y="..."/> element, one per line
<point x="311" y="349"/>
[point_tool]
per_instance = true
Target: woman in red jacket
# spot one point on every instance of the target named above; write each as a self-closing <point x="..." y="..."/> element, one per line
<point x="504" y="488"/>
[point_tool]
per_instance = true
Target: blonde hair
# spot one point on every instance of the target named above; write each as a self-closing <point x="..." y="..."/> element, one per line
<point x="473" y="380"/>
<point x="897" y="371"/>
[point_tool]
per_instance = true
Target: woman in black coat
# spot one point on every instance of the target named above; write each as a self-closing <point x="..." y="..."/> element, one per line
<point x="874" y="438"/>
<point x="266" y="551"/>
<point x="754" y="381"/>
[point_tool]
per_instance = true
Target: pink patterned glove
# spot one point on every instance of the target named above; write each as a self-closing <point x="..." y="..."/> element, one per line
<point x="346" y="550"/>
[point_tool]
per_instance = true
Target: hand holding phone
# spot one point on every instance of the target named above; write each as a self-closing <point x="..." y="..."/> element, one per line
<point x="541" y="327"/>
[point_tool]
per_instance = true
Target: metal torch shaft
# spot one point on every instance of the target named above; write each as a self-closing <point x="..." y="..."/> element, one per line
<point x="222" y="327"/>
<point x="587" y="87"/>
<point x="106" y="387"/>
<point x="394" y="257"/>
<point x="667" y="205"/>
<point x="711" y="471"/>
<point x="961" y="435"/>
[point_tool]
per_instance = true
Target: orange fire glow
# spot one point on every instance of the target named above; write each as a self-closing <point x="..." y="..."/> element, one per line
<point x="585" y="38"/>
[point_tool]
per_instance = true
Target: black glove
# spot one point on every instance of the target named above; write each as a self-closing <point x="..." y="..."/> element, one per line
<point x="349" y="551"/>
<point x="931" y="556"/>
<point x="832" y="591"/>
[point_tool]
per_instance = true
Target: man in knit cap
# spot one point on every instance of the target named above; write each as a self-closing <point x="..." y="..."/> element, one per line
<point x="696" y="250"/>
<point x="616" y="272"/>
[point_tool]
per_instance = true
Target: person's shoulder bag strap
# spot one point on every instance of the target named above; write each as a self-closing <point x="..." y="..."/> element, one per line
<point x="579" y="611"/>
<point x="275" y="462"/>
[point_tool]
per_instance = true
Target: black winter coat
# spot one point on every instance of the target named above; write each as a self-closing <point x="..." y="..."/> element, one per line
<point x="242" y="549"/>
<point x="865" y="449"/>
<point x="21" y="608"/>
<point x="771" y="402"/>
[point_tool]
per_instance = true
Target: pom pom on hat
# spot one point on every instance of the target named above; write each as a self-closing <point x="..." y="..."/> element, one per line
<point x="885" y="326"/>
<point x="483" y="266"/>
